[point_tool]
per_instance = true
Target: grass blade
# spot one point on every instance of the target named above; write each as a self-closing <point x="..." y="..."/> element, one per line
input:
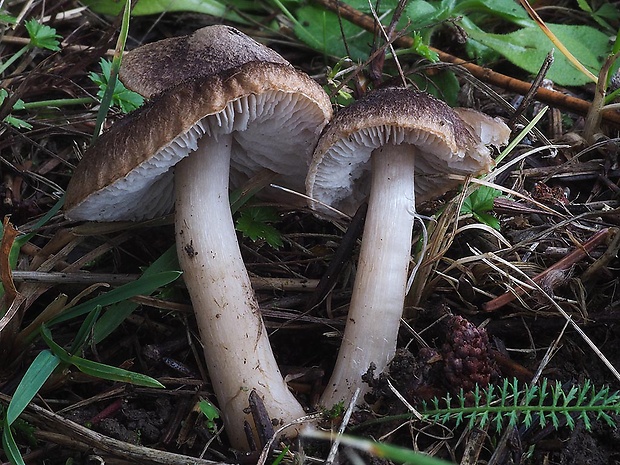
<point x="36" y="375"/>
<point x="10" y="447"/>
<point x="145" y="285"/>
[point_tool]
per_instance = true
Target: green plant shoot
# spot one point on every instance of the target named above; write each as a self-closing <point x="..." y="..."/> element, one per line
<point x="122" y="97"/>
<point x="211" y="413"/>
<point x="480" y="203"/>
<point x="41" y="36"/>
<point x="254" y="222"/>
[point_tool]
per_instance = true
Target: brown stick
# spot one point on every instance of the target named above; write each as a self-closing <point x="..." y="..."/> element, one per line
<point x="575" y="256"/>
<point x="550" y="97"/>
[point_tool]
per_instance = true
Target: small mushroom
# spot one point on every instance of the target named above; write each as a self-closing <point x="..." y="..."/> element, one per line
<point x="396" y="147"/>
<point x="186" y="143"/>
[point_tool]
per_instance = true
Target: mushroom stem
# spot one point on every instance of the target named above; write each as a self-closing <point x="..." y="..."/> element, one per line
<point x="380" y="281"/>
<point x="236" y="347"/>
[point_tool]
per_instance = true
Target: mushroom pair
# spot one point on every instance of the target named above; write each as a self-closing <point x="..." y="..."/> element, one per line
<point x="248" y="110"/>
<point x="395" y="147"/>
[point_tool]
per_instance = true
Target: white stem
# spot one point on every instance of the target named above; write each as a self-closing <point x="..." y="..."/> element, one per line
<point x="380" y="281"/>
<point x="236" y="347"/>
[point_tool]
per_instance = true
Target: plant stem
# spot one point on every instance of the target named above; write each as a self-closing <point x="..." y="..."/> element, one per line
<point x="14" y="58"/>
<point x="62" y="102"/>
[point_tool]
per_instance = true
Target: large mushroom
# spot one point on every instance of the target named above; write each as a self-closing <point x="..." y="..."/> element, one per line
<point x="183" y="145"/>
<point x="395" y="147"/>
<point x="152" y="68"/>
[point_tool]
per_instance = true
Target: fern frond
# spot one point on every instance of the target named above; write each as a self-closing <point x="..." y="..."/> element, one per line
<point x="509" y="403"/>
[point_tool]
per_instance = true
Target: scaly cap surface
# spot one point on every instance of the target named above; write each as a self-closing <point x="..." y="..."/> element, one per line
<point x="447" y="145"/>
<point x="275" y="112"/>
<point x="155" y="67"/>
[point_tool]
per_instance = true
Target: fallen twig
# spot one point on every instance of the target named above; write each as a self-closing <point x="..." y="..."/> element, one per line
<point x="574" y="257"/>
<point x="76" y="434"/>
<point x="550" y="97"/>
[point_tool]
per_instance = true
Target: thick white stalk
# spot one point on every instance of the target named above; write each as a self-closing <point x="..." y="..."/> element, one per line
<point x="379" y="291"/>
<point x="236" y="347"/>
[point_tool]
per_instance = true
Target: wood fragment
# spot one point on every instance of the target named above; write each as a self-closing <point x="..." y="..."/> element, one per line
<point x="574" y="257"/>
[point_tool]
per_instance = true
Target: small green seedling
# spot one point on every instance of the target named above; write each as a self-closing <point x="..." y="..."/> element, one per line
<point x="122" y="97"/>
<point x="211" y="413"/>
<point x="254" y="222"/>
<point x="41" y="36"/>
<point x="480" y="203"/>
<point x="13" y="120"/>
<point x="334" y="412"/>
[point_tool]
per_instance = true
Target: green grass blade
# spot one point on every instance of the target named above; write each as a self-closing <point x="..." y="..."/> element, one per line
<point x="143" y="286"/>
<point x="396" y="454"/>
<point x="10" y="447"/>
<point x="112" y="319"/>
<point x="95" y="369"/>
<point x="115" y="316"/>
<point x="85" y="331"/>
<point x="38" y="372"/>
<point x="102" y="371"/>
<point x="168" y="261"/>
<point x="106" y="100"/>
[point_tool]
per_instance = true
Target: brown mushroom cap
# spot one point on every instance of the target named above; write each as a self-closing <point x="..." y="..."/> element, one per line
<point x="274" y="111"/>
<point x="155" y="67"/>
<point x="447" y="145"/>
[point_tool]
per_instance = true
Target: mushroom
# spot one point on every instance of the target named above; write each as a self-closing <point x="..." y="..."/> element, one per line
<point x="155" y="67"/>
<point x="184" y="144"/>
<point x="395" y="146"/>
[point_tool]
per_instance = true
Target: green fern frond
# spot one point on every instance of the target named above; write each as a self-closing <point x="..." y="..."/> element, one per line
<point x="511" y="403"/>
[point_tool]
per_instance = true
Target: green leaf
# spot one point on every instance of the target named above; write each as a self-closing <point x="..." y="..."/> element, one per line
<point x="10" y="119"/>
<point x="155" y="7"/>
<point x="17" y="122"/>
<point x="211" y="412"/>
<point x="39" y="371"/>
<point x="143" y="286"/>
<point x="6" y="19"/>
<point x="253" y="222"/>
<point x="42" y="36"/>
<point x="117" y="313"/>
<point x="95" y="369"/>
<point x="10" y="447"/>
<point x="426" y="14"/>
<point x="488" y="219"/>
<point x="321" y="29"/>
<point x="122" y="97"/>
<point x="528" y="47"/>
<point x="443" y="85"/>
<point x="479" y="203"/>
<point x="422" y="49"/>
<point x="504" y="9"/>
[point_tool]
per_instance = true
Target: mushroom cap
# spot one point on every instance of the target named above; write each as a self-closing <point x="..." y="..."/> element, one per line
<point x="274" y="112"/>
<point x="491" y="131"/>
<point x="447" y="145"/>
<point x="155" y="67"/>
